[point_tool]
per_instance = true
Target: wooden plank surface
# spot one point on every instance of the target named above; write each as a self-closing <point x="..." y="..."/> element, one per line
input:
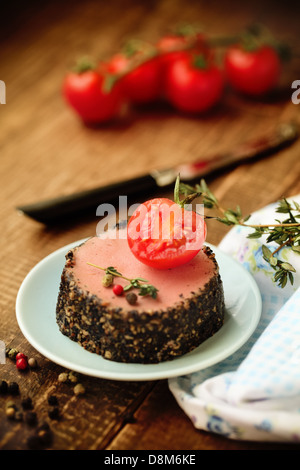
<point x="45" y="151"/>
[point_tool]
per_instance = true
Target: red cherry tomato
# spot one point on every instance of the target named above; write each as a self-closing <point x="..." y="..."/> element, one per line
<point x="173" y="47"/>
<point x="252" y="72"/>
<point x="194" y="86"/>
<point x="163" y="235"/>
<point x="141" y="85"/>
<point x="84" y="92"/>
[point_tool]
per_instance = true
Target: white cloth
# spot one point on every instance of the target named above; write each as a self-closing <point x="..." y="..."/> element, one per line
<point x="255" y="393"/>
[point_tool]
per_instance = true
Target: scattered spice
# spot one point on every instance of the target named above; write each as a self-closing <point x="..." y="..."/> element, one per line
<point x="13" y="388"/>
<point x="26" y="403"/>
<point x="44" y="434"/>
<point x="107" y="280"/>
<point x="40" y="438"/>
<point x="21" y="363"/>
<point x="11" y="404"/>
<point x="10" y="412"/>
<point x="118" y="289"/>
<point x="3" y="387"/>
<point x="53" y="413"/>
<point x="12" y="353"/>
<point x="79" y="389"/>
<point x="52" y="400"/>
<point x="33" y="442"/>
<point x="18" y="416"/>
<point x="32" y="362"/>
<point x="31" y="418"/>
<point x="21" y="356"/>
<point x="63" y="377"/>
<point x="73" y="377"/>
<point x="131" y="298"/>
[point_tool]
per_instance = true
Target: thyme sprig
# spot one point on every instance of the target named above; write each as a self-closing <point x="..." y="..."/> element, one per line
<point x="284" y="233"/>
<point x="137" y="282"/>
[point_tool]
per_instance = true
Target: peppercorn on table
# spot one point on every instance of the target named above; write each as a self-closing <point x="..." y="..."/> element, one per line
<point x="46" y="151"/>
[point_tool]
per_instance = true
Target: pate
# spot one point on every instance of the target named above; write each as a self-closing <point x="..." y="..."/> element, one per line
<point x="189" y="307"/>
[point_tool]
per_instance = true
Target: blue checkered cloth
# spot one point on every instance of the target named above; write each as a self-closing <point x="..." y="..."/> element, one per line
<point x="255" y="393"/>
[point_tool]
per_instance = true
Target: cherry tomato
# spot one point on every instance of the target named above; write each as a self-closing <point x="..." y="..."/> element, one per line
<point x="252" y="72"/>
<point x="163" y="235"/>
<point x="142" y="84"/>
<point x="173" y="47"/>
<point x="194" y="84"/>
<point x="84" y="92"/>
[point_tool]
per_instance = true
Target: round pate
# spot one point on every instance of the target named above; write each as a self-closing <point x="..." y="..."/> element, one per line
<point x="189" y="307"/>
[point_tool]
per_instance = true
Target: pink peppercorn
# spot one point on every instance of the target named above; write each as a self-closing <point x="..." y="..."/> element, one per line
<point x="118" y="289"/>
<point x="21" y="363"/>
<point x="21" y="356"/>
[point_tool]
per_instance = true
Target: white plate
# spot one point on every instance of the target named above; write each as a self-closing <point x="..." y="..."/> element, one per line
<point x="35" y="310"/>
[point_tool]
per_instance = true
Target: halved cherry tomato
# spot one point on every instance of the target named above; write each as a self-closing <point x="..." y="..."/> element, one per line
<point x="84" y="92"/>
<point x="194" y="84"/>
<point x="142" y="84"/>
<point x="254" y="72"/>
<point x="163" y="235"/>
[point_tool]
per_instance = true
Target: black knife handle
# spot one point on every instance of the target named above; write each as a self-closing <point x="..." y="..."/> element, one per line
<point x="60" y="208"/>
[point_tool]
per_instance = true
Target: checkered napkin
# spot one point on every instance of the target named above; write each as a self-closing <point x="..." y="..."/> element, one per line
<point x="255" y="393"/>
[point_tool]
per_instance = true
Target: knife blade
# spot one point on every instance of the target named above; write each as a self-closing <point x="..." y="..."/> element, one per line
<point x="55" y="210"/>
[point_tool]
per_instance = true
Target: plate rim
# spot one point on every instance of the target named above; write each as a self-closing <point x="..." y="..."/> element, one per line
<point x="133" y="376"/>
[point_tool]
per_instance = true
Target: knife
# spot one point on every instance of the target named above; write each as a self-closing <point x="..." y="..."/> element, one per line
<point x="57" y="209"/>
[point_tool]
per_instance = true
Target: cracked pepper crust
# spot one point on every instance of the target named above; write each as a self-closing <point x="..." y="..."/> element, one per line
<point x="132" y="336"/>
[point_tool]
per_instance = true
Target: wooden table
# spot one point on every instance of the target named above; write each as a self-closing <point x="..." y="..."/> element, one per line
<point x="46" y="151"/>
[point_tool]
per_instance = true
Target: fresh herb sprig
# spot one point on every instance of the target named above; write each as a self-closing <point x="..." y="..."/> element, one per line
<point x="135" y="283"/>
<point x="284" y="233"/>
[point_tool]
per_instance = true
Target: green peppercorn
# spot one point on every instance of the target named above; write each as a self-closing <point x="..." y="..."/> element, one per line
<point x="107" y="280"/>
<point x="12" y="353"/>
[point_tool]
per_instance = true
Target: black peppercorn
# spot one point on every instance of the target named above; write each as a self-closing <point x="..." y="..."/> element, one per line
<point x="3" y="387"/>
<point x="33" y="442"/>
<point x="53" y="413"/>
<point x="52" y="400"/>
<point x="44" y="434"/>
<point x="27" y="403"/>
<point x="13" y="388"/>
<point x="18" y="416"/>
<point x="131" y="298"/>
<point x="31" y="418"/>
